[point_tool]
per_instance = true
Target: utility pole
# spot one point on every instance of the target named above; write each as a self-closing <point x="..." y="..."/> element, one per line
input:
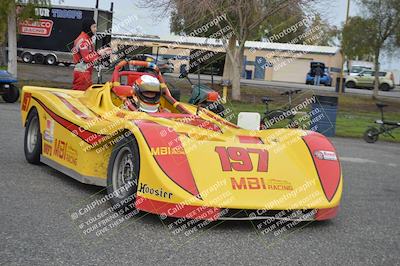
<point x="342" y="52"/>
<point x="12" y="40"/>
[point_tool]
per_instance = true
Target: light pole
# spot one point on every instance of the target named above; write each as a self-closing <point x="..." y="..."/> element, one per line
<point x="342" y="52"/>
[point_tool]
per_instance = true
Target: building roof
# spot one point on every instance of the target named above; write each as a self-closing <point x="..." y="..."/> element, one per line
<point x="187" y="40"/>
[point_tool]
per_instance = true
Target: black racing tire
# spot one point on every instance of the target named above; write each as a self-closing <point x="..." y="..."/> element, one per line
<point x="12" y="95"/>
<point x="50" y="60"/>
<point x="123" y="173"/>
<point x="27" y="57"/>
<point x="384" y="87"/>
<point x="38" y="58"/>
<point x="350" y="84"/>
<point x="371" y="135"/>
<point x="33" y="138"/>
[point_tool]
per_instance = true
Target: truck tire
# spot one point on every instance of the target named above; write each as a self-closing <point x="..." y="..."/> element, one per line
<point x="27" y="57"/>
<point x="51" y="60"/>
<point x="33" y="138"/>
<point x="38" y="58"/>
<point x="12" y="95"/>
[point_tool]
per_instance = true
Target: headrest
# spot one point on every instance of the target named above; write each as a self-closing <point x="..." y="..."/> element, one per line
<point x="123" y="91"/>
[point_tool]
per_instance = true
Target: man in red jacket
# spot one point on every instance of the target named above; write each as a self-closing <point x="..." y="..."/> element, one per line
<point x="85" y="55"/>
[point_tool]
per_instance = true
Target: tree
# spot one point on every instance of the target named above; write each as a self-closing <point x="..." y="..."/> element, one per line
<point x="246" y="19"/>
<point x="329" y="33"/>
<point x="357" y="38"/>
<point x="11" y="11"/>
<point x="384" y="19"/>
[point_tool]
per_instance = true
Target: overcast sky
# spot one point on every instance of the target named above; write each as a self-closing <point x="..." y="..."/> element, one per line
<point x="159" y="25"/>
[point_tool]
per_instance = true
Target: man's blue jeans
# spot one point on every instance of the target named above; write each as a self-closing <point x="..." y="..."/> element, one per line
<point x="317" y="80"/>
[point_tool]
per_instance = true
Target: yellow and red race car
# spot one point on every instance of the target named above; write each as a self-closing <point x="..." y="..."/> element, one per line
<point x="184" y="162"/>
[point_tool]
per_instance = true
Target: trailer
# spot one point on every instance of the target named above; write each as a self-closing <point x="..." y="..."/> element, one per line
<point x="49" y="39"/>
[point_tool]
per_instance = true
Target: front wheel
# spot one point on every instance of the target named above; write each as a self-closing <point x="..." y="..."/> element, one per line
<point x="12" y="94"/>
<point x="123" y="173"/>
<point x="371" y="135"/>
<point x="33" y="138"/>
<point x="27" y="57"/>
<point x="350" y="84"/>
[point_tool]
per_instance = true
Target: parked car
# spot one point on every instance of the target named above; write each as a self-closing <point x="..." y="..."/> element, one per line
<point x="164" y="64"/>
<point x="8" y="91"/>
<point x="326" y="78"/>
<point x="366" y="79"/>
<point x="355" y="70"/>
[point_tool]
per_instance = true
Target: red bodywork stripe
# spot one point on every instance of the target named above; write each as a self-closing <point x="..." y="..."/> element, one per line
<point x="73" y="108"/>
<point x="199" y="122"/>
<point x="174" y="163"/>
<point x="26" y="101"/>
<point x="328" y="171"/>
<point x="177" y="210"/>
<point x="250" y="139"/>
<point x="87" y="136"/>
<point x="326" y="214"/>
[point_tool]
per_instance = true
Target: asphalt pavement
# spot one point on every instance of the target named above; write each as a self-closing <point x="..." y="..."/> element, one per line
<point x="37" y="227"/>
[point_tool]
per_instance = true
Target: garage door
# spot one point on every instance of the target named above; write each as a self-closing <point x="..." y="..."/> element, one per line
<point x="291" y="70"/>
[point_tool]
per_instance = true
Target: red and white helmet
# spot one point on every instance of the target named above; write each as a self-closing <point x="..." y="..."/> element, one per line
<point x="148" y="92"/>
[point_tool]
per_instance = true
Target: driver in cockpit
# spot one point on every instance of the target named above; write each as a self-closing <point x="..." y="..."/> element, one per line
<point x="147" y="94"/>
<point x="144" y="95"/>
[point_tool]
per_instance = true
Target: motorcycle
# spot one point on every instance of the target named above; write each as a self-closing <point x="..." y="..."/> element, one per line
<point x="202" y="95"/>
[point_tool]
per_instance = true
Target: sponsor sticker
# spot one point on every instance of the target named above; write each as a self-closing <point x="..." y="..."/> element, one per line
<point x="49" y="131"/>
<point x="65" y="152"/>
<point x="159" y="192"/>
<point x="255" y="183"/>
<point x="41" y="27"/>
<point x="326" y="155"/>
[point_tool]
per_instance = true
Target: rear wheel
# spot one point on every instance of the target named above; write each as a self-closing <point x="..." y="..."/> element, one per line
<point x="273" y="117"/>
<point x="33" y="138"/>
<point x="123" y="173"/>
<point x="51" y="60"/>
<point x="371" y="135"/>
<point x="384" y="87"/>
<point x="27" y="57"/>
<point x="12" y="95"/>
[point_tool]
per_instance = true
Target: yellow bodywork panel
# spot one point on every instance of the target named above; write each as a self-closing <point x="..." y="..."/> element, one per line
<point x="231" y="167"/>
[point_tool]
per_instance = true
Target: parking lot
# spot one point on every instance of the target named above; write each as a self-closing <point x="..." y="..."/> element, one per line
<point x="37" y="228"/>
<point x="63" y="74"/>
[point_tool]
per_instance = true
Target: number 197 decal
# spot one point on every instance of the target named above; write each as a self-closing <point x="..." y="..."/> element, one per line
<point x="238" y="159"/>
